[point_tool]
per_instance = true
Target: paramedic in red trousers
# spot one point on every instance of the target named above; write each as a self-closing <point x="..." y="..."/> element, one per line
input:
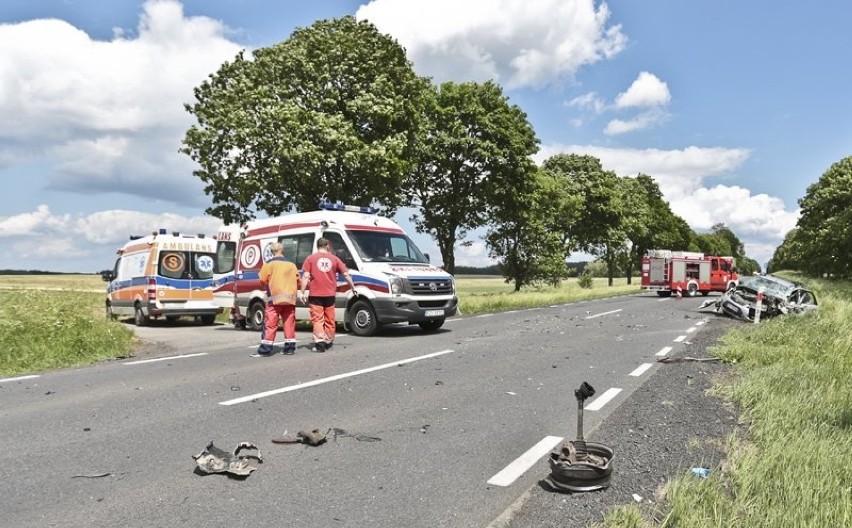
<point x="280" y="278"/>
<point x="319" y="275"/>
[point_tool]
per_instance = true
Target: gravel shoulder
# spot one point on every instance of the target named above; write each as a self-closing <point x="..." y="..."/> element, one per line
<point x="667" y="426"/>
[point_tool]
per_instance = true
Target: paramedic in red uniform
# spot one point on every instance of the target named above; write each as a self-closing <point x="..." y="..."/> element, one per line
<point x="319" y="275"/>
<point x="280" y="278"/>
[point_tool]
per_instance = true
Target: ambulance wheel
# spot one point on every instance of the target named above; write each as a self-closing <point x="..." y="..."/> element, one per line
<point x="172" y="319"/>
<point x="431" y="326"/>
<point x="208" y="319"/>
<point x="691" y="289"/>
<point x="255" y="316"/>
<point x="362" y="318"/>
<point x="139" y="317"/>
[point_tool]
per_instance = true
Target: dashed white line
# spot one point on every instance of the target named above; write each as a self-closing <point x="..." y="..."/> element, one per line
<point x="331" y="378"/>
<point x="664" y="351"/>
<point x="678" y="339"/>
<point x="520" y="465"/>
<point x="699" y="323"/>
<point x="602" y="314"/>
<point x="182" y="356"/>
<point x="641" y="369"/>
<point x="19" y="378"/>
<point x="603" y="399"/>
<point x="691" y="329"/>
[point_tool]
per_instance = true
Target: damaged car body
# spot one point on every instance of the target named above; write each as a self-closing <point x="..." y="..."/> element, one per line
<point x="768" y="294"/>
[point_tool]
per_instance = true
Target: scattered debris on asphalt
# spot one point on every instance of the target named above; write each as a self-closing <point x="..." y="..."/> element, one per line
<point x="312" y="437"/>
<point x="215" y="460"/>
<point x="763" y="296"/>
<point x="95" y="475"/>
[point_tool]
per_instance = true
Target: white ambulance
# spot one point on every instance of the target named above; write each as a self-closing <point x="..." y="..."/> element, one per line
<point x="394" y="281"/>
<point x="163" y="275"/>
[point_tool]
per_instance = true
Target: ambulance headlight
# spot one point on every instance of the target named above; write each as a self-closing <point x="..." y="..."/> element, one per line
<point x="396" y="286"/>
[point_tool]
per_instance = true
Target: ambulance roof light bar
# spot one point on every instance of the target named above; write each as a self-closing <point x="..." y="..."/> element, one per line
<point x="340" y="206"/>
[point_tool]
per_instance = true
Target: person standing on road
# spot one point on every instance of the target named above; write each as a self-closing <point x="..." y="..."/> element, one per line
<point x="319" y="276"/>
<point x="280" y="279"/>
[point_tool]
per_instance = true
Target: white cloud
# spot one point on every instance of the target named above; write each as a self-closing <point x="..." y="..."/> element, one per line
<point x="514" y="42"/>
<point x="590" y="100"/>
<point x="646" y="90"/>
<point x="108" y="114"/>
<point x="643" y="120"/>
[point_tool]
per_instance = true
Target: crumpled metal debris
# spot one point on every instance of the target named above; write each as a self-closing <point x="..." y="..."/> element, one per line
<point x="215" y="460"/>
<point x="313" y="437"/>
<point x="763" y="296"/>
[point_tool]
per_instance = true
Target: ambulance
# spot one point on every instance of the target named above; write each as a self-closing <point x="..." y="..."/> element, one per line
<point x="394" y="281"/>
<point x="163" y="275"/>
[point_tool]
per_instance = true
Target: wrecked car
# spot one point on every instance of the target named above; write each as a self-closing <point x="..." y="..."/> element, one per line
<point x="779" y="296"/>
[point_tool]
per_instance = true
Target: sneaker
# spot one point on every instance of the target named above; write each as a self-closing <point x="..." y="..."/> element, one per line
<point x="261" y="354"/>
<point x="328" y="345"/>
<point x="289" y="351"/>
<point x="319" y="346"/>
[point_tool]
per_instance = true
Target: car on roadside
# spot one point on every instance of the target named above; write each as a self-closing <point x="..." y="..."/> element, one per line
<point x="773" y="295"/>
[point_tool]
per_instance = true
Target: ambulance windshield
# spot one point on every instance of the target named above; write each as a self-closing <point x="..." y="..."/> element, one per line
<point x="377" y="246"/>
<point x="186" y="265"/>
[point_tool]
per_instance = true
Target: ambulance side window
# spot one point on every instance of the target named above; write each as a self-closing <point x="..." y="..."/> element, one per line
<point x="340" y="249"/>
<point x="297" y="247"/>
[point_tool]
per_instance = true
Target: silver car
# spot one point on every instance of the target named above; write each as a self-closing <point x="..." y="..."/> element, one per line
<point x="779" y="297"/>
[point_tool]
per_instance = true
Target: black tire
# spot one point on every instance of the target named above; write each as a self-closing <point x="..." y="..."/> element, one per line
<point x="431" y="326"/>
<point x="139" y="317"/>
<point x="362" y="318"/>
<point x="172" y="319"/>
<point x="208" y="319"/>
<point x="255" y="316"/>
<point x="692" y="289"/>
<point x="666" y="293"/>
<point x="110" y="315"/>
<point x="705" y="293"/>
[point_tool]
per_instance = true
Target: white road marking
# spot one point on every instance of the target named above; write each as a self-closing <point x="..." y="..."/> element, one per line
<point x="664" y="351"/>
<point x="164" y="358"/>
<point x="602" y="400"/>
<point x="483" y="315"/>
<point x="520" y="465"/>
<point x="699" y="323"/>
<point x="664" y="299"/>
<point x="691" y="329"/>
<point x="602" y="314"/>
<point x="331" y="378"/>
<point x="19" y="378"/>
<point x="678" y="339"/>
<point x="641" y="369"/>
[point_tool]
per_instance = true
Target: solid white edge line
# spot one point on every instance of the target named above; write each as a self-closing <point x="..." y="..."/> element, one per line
<point x="520" y="465"/>
<point x="19" y="378"/>
<point x="691" y="329"/>
<point x="641" y="369"/>
<point x="332" y="378"/>
<point x="602" y="400"/>
<point x="664" y="351"/>
<point x="602" y="314"/>
<point x="164" y="358"/>
<point x="678" y="339"/>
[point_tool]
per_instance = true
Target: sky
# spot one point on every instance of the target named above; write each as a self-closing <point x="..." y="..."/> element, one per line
<point x="733" y="107"/>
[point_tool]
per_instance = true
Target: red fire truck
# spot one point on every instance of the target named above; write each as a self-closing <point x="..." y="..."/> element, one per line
<point x="687" y="272"/>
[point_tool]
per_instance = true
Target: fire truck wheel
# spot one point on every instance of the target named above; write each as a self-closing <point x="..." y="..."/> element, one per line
<point x="139" y="317"/>
<point x="255" y="316"/>
<point x="666" y="293"/>
<point x="705" y="293"/>
<point x="692" y="289"/>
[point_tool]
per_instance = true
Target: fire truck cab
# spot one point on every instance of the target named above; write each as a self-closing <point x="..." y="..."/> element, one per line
<point x="688" y="273"/>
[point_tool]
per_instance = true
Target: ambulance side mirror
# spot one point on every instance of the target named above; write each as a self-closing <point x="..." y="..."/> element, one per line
<point x="107" y="275"/>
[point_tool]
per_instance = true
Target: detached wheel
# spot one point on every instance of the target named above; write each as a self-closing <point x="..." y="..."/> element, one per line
<point x="362" y="318"/>
<point x="139" y="317"/>
<point x="255" y="316"/>
<point x="431" y="326"/>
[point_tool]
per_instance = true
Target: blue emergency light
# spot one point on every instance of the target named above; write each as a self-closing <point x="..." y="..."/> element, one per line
<point x="340" y="206"/>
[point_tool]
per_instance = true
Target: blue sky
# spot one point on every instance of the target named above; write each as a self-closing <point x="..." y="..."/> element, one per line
<point x="733" y="107"/>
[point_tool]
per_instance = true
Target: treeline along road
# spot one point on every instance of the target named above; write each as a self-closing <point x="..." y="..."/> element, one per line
<point x="112" y="444"/>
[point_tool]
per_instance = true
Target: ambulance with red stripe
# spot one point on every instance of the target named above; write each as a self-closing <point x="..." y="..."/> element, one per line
<point x="394" y="281"/>
<point x="163" y="275"/>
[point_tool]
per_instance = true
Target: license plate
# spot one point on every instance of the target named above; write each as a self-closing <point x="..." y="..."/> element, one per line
<point x="434" y="313"/>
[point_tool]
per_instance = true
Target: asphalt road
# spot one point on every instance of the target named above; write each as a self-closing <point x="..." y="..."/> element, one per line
<point x="111" y="445"/>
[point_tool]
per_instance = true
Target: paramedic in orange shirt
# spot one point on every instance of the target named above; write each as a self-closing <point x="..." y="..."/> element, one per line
<point x="280" y="278"/>
<point x="319" y="275"/>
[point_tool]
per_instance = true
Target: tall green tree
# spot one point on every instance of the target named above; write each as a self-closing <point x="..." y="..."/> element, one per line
<point x="333" y="112"/>
<point x="599" y="228"/>
<point x="713" y="244"/>
<point x="475" y="145"/>
<point x="825" y="226"/>
<point x="789" y="255"/>
<point x="522" y="236"/>
<point x="737" y="247"/>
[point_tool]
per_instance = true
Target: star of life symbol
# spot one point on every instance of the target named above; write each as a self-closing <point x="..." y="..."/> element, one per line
<point x="324" y="264"/>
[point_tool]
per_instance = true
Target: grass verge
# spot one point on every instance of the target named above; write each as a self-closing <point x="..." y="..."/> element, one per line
<point x="793" y="467"/>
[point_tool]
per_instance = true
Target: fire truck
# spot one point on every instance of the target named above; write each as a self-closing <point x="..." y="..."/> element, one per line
<point x="687" y="273"/>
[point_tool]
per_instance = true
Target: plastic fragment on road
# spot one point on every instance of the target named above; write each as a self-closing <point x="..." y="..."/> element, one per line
<point x="701" y="472"/>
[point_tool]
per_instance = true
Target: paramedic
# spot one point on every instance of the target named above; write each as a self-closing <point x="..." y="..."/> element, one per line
<point x="319" y="276"/>
<point x="280" y="278"/>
